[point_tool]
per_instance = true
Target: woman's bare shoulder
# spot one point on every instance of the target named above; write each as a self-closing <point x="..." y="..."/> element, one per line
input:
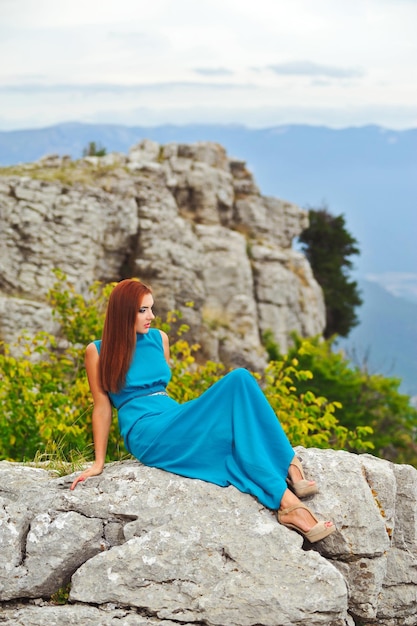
<point x="91" y="349"/>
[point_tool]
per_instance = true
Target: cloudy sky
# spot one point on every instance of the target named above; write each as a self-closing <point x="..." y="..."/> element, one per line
<point x="258" y="63"/>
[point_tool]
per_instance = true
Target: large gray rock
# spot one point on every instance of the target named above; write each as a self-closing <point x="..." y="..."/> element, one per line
<point x="144" y="547"/>
<point x="186" y="219"/>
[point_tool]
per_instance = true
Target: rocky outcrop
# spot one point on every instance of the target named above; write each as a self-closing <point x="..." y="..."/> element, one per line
<point x="142" y="547"/>
<point x="185" y="218"/>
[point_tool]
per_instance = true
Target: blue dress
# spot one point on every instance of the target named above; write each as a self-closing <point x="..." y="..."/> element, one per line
<point x="228" y="436"/>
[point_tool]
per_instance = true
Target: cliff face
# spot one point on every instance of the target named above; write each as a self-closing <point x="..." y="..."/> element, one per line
<point x="143" y="547"/>
<point x="186" y="219"/>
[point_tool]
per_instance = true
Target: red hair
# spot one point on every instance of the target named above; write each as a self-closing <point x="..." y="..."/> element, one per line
<point x="119" y="335"/>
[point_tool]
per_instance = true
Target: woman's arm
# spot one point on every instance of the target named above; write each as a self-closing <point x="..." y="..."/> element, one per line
<point x="102" y="415"/>
<point x="165" y="343"/>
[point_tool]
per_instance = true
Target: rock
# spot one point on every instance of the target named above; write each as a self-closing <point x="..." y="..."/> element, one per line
<point x="77" y="615"/>
<point x="144" y="547"/>
<point x="186" y="219"/>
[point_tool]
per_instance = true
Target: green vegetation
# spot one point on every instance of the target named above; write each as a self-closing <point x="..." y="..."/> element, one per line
<point x="61" y="596"/>
<point x="45" y="403"/>
<point x="328" y="246"/>
<point x="366" y="400"/>
<point x="94" y="149"/>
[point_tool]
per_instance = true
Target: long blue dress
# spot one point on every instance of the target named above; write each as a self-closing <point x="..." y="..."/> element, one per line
<point x="228" y="436"/>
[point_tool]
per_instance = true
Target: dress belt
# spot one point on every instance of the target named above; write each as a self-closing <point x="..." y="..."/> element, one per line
<point x="141" y="395"/>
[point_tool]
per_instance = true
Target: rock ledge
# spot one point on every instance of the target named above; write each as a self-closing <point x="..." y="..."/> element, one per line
<point x="142" y="547"/>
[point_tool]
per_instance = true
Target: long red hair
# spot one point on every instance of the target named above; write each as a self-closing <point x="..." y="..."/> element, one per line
<point x="119" y="335"/>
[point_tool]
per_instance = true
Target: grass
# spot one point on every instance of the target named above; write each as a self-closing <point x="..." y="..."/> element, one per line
<point x="54" y="459"/>
<point x="61" y="596"/>
<point x="67" y="173"/>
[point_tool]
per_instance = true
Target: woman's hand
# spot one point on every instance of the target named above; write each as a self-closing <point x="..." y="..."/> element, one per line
<point x="94" y="470"/>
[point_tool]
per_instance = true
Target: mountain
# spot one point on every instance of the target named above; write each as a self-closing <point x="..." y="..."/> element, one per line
<point x="368" y="174"/>
<point x="385" y="341"/>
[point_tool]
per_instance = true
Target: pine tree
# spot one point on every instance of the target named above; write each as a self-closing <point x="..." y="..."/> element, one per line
<point x="328" y="245"/>
<point x="93" y="149"/>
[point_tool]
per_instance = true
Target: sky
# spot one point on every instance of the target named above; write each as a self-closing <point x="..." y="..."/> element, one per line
<point x="260" y="63"/>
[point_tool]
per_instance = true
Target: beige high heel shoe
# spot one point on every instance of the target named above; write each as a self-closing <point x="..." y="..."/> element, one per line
<point x="302" y="488"/>
<point x="319" y="531"/>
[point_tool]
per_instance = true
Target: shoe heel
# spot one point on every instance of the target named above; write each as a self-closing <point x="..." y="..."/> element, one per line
<point x="302" y="488"/>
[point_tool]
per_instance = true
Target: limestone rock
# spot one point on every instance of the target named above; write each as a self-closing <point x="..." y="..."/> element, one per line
<point x="187" y="219"/>
<point x="145" y="547"/>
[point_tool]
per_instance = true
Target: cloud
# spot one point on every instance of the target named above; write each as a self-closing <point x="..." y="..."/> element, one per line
<point x="213" y="71"/>
<point x="399" y="284"/>
<point x="143" y="41"/>
<point x="94" y="88"/>
<point x="308" y="68"/>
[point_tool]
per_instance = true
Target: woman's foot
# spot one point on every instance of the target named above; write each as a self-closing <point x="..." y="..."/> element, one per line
<point x="302" y="520"/>
<point x="298" y="482"/>
<point x="295" y="515"/>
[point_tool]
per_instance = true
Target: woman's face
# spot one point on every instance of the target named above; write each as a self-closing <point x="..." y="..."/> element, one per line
<point x="145" y="315"/>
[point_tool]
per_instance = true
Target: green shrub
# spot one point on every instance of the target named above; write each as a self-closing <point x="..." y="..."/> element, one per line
<point x="308" y="419"/>
<point x="367" y="400"/>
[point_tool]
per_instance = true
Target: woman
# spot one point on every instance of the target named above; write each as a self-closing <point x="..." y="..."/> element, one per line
<point x="228" y="436"/>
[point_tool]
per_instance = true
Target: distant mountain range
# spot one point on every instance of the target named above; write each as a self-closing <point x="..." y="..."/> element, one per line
<point x="385" y="341"/>
<point x="368" y="174"/>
